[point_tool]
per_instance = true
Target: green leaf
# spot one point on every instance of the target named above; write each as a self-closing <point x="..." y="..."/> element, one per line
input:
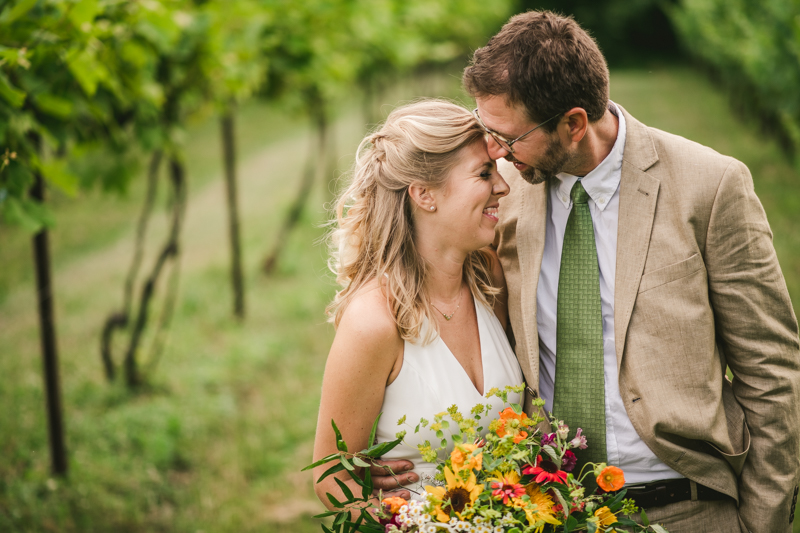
<point x="22" y="7"/>
<point x="345" y="489"/>
<point x="55" y="172"/>
<point x="645" y="520"/>
<point x="549" y="450"/>
<point x="366" y="486"/>
<point x="83" y="12"/>
<point x="87" y="71"/>
<point x="322" y="461"/>
<point x="336" y="503"/>
<point x="338" y="467"/>
<point x="380" y="449"/>
<point x="370" y="528"/>
<point x="571" y="524"/>
<point x="341" y="445"/>
<point x="444" y="443"/>
<point x="346" y="463"/>
<point x="14" y="97"/>
<point x="517" y="408"/>
<point x="374" y="429"/>
<point x="16" y="211"/>
<point x="326" y="529"/>
<point x="591" y="527"/>
<point x="54" y="105"/>
<point x="358" y="461"/>
<point x="326" y="514"/>
<point x="658" y="529"/>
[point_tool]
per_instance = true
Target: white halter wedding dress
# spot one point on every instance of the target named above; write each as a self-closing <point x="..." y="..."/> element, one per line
<point x="431" y="380"/>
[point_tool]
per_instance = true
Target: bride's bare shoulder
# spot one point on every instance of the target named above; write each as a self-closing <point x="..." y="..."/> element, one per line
<point x="368" y="315"/>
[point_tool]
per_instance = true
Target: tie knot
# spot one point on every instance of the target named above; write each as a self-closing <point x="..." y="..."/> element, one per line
<point x="579" y="194"/>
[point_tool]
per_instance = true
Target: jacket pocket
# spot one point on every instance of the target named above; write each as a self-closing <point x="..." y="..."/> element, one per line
<point x="738" y="432"/>
<point x="671" y="273"/>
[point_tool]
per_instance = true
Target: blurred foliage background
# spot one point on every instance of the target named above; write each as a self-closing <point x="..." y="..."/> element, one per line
<point x="188" y="149"/>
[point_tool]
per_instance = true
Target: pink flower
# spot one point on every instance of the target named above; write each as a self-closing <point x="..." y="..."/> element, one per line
<point x="505" y="489"/>
<point x="579" y="441"/>
<point x="548" y="439"/>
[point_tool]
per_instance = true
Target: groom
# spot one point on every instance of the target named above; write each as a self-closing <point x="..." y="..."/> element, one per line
<point x="639" y="266"/>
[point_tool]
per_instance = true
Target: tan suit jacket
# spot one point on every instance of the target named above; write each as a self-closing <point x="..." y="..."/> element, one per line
<point x="698" y="288"/>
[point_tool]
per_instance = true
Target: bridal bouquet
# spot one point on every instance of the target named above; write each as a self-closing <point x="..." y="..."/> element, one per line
<point x="512" y="480"/>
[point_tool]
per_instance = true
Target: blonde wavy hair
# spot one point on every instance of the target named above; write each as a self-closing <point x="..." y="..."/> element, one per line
<point x="373" y="229"/>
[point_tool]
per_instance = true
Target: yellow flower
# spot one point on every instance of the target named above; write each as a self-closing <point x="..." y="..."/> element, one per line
<point x="604" y="518"/>
<point x="540" y="507"/>
<point x="461" y="457"/>
<point x="455" y="496"/>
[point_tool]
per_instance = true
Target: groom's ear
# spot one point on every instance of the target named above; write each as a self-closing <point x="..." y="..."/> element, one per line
<point x="421" y="196"/>
<point x="577" y="122"/>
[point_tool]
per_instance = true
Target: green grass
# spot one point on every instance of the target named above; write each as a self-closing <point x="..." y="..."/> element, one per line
<point x="216" y="442"/>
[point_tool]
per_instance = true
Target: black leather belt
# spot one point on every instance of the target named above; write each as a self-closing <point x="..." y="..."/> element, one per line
<point x="659" y="493"/>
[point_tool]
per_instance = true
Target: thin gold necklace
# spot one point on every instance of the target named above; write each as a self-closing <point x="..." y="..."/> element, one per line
<point x="445" y="315"/>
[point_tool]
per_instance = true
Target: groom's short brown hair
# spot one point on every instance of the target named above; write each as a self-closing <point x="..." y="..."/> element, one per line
<point x="544" y="61"/>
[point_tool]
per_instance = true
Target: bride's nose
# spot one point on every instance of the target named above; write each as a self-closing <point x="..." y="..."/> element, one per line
<point x="500" y="187"/>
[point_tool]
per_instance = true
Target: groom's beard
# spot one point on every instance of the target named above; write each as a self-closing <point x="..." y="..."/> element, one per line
<point x="554" y="160"/>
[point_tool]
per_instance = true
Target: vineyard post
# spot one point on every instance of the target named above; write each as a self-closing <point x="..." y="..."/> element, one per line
<point x="44" y="286"/>
<point x="227" y="124"/>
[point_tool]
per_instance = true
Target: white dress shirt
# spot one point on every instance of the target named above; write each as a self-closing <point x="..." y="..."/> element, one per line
<point x="624" y="447"/>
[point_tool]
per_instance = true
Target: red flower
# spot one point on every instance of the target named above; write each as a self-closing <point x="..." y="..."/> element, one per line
<point x="569" y="461"/>
<point x="545" y="471"/>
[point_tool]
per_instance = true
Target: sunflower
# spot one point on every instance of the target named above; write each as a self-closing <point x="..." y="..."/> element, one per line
<point x="540" y="507"/>
<point x="455" y="496"/>
<point x="605" y="518"/>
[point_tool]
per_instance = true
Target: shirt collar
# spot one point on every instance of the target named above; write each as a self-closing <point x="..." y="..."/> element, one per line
<point x="602" y="182"/>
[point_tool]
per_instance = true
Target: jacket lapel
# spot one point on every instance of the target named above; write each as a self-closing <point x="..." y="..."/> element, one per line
<point x="531" y="234"/>
<point x="637" y="206"/>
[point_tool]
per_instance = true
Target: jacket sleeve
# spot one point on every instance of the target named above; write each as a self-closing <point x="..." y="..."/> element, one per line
<point x="757" y="331"/>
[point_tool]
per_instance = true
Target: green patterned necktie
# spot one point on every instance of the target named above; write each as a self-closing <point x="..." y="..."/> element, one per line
<point x="579" y="397"/>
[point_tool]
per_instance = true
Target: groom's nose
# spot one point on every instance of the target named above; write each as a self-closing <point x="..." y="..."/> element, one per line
<point x="495" y="150"/>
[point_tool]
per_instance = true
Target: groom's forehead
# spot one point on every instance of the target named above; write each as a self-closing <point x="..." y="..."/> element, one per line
<point x="500" y="114"/>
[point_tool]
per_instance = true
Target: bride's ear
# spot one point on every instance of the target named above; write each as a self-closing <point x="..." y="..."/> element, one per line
<point x="421" y="197"/>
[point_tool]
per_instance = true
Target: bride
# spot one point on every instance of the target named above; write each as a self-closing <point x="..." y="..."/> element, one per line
<point x="420" y="318"/>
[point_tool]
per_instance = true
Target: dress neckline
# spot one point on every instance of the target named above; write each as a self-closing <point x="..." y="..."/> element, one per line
<point x="481" y="336"/>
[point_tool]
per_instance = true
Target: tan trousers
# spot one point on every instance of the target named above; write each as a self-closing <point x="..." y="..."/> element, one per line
<point x="698" y="517"/>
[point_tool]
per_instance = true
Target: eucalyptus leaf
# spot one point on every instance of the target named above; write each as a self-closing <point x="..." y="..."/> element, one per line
<point x="336" y="503"/>
<point x="658" y="529"/>
<point x="338" y="467"/>
<point x="366" y="485"/>
<point x="374" y="429"/>
<point x="322" y="461"/>
<point x="346" y="463"/>
<point x="360" y="462"/>
<point x="345" y="490"/>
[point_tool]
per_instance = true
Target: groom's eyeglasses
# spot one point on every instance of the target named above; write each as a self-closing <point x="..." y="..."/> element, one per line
<point x="504" y="143"/>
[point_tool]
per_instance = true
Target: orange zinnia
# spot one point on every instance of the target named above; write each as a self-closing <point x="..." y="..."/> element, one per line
<point x="509" y="424"/>
<point x="611" y="479"/>
<point x="394" y="504"/>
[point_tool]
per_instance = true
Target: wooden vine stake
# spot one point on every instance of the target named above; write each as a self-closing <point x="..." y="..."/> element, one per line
<point x="44" y="287"/>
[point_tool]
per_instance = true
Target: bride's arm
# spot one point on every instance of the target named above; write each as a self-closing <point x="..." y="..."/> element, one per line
<point x="363" y="355"/>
